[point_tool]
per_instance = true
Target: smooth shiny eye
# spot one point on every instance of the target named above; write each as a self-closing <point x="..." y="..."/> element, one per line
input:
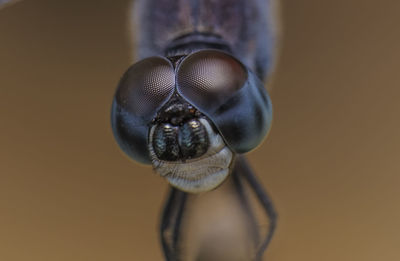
<point x="146" y="86"/>
<point x="208" y="78"/>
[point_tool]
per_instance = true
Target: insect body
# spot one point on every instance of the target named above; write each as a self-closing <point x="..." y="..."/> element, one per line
<point x="195" y="101"/>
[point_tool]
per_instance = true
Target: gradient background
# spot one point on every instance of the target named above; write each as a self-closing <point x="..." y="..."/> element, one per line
<point x="331" y="162"/>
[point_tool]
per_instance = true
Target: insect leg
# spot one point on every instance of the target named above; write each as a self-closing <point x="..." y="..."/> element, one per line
<point x="245" y="204"/>
<point x="262" y="196"/>
<point x="171" y="223"/>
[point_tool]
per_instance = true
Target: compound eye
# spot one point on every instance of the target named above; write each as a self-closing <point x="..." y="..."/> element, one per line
<point x="209" y="78"/>
<point x="146" y="86"/>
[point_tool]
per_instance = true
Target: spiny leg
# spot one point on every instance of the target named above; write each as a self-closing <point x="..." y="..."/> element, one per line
<point x="262" y="196"/>
<point x="171" y="223"/>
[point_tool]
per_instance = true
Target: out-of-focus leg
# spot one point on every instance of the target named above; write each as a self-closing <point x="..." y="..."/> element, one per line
<point x="171" y="223"/>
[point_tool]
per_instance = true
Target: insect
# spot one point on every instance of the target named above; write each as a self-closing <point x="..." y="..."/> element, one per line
<point x="194" y="103"/>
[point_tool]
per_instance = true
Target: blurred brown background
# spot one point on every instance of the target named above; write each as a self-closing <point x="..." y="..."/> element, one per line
<point x="331" y="162"/>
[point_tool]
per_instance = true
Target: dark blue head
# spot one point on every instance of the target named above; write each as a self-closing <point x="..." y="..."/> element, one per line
<point x="208" y="84"/>
<point x="190" y="115"/>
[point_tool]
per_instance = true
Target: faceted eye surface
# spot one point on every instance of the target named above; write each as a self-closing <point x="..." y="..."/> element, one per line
<point x="146" y="86"/>
<point x="208" y="78"/>
<point x="143" y="89"/>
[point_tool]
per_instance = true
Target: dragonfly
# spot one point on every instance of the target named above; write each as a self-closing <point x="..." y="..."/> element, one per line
<point x="194" y="102"/>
